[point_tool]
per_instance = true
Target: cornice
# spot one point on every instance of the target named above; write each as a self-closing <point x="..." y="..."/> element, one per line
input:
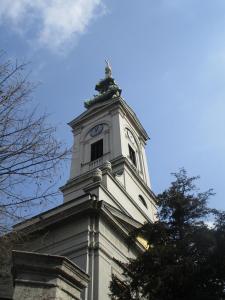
<point x="45" y="221"/>
<point x="115" y="162"/>
<point x="60" y="266"/>
<point x="111" y="105"/>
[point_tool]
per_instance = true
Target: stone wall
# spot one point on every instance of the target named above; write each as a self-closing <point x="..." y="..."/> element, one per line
<point x="46" y="277"/>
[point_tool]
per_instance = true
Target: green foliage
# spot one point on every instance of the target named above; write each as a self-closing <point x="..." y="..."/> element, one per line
<point x="185" y="259"/>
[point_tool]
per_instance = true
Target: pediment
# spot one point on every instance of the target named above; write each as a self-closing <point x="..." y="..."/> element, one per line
<point x="99" y="106"/>
<point x="91" y="111"/>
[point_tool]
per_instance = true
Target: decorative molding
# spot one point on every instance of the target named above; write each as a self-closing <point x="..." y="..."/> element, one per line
<point x="110" y="106"/>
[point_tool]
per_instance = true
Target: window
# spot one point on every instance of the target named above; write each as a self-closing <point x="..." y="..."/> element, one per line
<point x="143" y="201"/>
<point x="132" y="155"/>
<point x="96" y="150"/>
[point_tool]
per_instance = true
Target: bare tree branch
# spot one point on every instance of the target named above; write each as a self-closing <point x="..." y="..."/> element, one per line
<point x="30" y="154"/>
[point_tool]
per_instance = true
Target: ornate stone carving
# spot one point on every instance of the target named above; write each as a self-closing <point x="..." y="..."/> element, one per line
<point x="107" y="166"/>
<point x="97" y="175"/>
<point x="106" y="87"/>
<point x="108" y="70"/>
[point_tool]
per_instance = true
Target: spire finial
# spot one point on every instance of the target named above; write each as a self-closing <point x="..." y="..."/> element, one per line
<point x="108" y="70"/>
<point x="107" y="88"/>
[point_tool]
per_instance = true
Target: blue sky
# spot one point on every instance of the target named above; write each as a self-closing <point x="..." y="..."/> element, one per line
<point x="168" y="56"/>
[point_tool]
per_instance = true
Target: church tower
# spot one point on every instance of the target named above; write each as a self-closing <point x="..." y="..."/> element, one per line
<point x="108" y="135"/>
<point x="107" y="196"/>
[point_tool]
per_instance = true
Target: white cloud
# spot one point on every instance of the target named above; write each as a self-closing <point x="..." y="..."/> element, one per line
<point x="52" y="23"/>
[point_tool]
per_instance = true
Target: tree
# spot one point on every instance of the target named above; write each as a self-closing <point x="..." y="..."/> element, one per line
<point x="29" y="150"/>
<point x="185" y="256"/>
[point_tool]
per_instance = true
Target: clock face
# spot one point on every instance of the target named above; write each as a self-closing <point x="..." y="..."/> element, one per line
<point x="96" y="130"/>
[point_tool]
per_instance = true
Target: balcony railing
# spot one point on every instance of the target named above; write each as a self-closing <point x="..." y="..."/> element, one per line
<point x="95" y="163"/>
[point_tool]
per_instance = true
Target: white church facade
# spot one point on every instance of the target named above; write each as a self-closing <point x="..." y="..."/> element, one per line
<point x="107" y="196"/>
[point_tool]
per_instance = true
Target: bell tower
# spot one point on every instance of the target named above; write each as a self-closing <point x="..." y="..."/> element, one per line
<point x="107" y="196"/>
<point x="109" y="133"/>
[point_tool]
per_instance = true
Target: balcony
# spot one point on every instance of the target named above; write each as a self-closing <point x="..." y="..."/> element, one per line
<point x="95" y="163"/>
